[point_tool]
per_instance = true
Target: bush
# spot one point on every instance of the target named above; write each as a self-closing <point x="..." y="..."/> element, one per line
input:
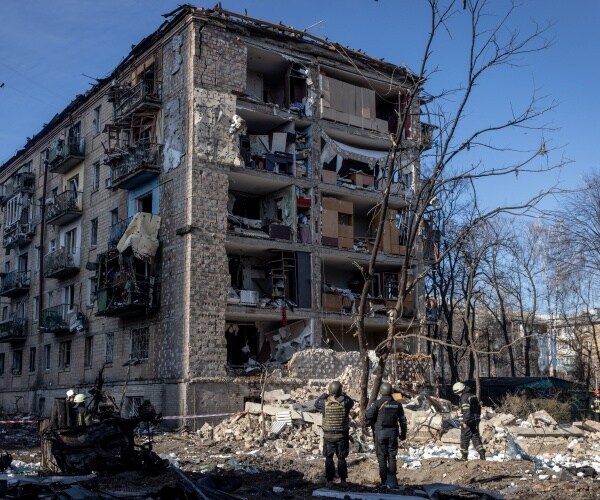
<point x="521" y="408"/>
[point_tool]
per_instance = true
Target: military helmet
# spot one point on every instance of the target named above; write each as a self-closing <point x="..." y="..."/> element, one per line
<point x="458" y="387"/>
<point x="79" y="398"/>
<point x="385" y="389"/>
<point x="335" y="388"/>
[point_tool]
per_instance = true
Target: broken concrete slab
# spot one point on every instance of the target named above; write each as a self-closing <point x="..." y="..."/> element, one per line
<point x="313" y="418"/>
<point x="540" y="418"/>
<point x="560" y="431"/>
<point x="451" y="437"/>
<point x="362" y="495"/>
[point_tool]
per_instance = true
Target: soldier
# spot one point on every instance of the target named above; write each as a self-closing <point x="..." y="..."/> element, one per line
<point x="335" y="407"/>
<point x="384" y="415"/>
<point x="469" y="427"/>
<point x="595" y="406"/>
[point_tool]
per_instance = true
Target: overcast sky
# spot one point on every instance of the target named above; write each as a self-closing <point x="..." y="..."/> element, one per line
<point x="52" y="51"/>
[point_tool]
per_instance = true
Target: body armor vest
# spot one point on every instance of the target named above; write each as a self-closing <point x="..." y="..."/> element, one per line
<point x="335" y="419"/>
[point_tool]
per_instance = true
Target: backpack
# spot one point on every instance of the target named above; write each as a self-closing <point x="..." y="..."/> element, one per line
<point x="475" y="409"/>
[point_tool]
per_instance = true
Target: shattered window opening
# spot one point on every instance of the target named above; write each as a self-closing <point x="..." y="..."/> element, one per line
<point x="47" y="351"/>
<point x="64" y="355"/>
<point x="133" y="405"/>
<point x="109" y="340"/>
<point x="140" y="340"/>
<point x="32" y="353"/>
<point x="17" y="364"/>
<point x="87" y="355"/>
<point x="2" y="356"/>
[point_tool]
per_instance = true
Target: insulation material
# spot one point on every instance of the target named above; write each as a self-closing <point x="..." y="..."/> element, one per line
<point x="290" y="339"/>
<point x="339" y="150"/>
<point x="142" y="236"/>
<point x="176" y="45"/>
<point x="174" y="149"/>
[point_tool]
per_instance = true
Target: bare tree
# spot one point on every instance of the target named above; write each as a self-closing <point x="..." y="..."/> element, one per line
<point x="491" y="46"/>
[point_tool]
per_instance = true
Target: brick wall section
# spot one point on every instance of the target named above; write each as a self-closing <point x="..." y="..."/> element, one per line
<point x="219" y="69"/>
<point x="324" y="364"/>
<point x="221" y="62"/>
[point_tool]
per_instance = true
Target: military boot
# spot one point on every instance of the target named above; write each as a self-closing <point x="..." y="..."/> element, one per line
<point x="464" y="456"/>
<point x="391" y="481"/>
<point x="482" y="454"/>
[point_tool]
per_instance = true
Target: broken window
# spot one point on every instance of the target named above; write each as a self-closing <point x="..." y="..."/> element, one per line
<point x="144" y="203"/>
<point x="17" y="362"/>
<point x="269" y="216"/>
<point x="273" y="79"/>
<point x="271" y="279"/>
<point x="64" y="355"/>
<point x="47" y="351"/>
<point x="87" y="353"/>
<point x="109" y="342"/>
<point x="32" y="353"/>
<point x="133" y="404"/>
<point x="140" y="341"/>
<point x="2" y="356"/>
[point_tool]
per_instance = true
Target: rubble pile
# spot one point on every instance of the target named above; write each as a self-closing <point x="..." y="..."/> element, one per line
<point x="292" y="426"/>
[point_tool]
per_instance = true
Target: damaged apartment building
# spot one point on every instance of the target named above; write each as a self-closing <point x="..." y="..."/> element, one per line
<point x="200" y="211"/>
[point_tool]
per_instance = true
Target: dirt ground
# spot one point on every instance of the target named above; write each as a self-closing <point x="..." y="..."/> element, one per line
<point x="299" y="472"/>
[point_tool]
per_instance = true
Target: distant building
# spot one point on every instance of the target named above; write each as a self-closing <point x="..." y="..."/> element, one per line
<point x="200" y="211"/>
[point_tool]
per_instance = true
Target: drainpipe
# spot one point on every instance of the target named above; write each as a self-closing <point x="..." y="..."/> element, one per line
<point x="41" y="285"/>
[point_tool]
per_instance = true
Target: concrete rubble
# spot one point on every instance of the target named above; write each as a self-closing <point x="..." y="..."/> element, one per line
<point x="558" y="449"/>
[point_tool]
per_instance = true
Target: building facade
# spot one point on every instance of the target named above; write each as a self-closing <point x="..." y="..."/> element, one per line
<point x="200" y="211"/>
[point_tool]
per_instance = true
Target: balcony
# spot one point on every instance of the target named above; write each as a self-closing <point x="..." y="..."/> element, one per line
<point x="63" y="318"/>
<point x="66" y="153"/>
<point x="64" y="208"/>
<point x="61" y="263"/>
<point x="23" y="183"/>
<point x="13" y="330"/>
<point x="139" y="164"/>
<point x="18" y="234"/>
<point x="116" y="231"/>
<point x="144" y="96"/>
<point x="127" y="286"/>
<point x="15" y="283"/>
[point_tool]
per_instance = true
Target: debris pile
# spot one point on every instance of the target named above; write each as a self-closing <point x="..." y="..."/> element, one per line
<point x="291" y="425"/>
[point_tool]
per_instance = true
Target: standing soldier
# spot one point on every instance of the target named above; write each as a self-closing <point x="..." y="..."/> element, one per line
<point x="469" y="427"/>
<point x="384" y="415"/>
<point x="595" y="406"/>
<point x="335" y="407"/>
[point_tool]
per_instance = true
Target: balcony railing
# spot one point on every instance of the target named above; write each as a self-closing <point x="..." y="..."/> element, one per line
<point x="62" y="262"/>
<point x="137" y="296"/>
<point x="65" y="153"/>
<point x="13" y="330"/>
<point x="138" y="165"/>
<point x="15" y="283"/>
<point x="23" y="183"/>
<point x="65" y="207"/>
<point x="18" y="234"/>
<point x="63" y="318"/>
<point x="145" y="95"/>
<point x="116" y="231"/>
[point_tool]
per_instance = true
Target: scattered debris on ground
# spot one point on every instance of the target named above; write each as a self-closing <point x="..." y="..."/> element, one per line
<point x="279" y="456"/>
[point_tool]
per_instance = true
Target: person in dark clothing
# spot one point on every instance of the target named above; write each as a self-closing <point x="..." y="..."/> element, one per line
<point x="471" y="415"/>
<point x="384" y="415"/>
<point x="335" y="407"/>
<point x="595" y="406"/>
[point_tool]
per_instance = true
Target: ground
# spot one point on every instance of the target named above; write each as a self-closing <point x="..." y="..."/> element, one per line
<point x="299" y="472"/>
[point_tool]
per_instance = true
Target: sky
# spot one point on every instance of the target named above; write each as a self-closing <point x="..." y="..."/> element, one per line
<point x="52" y="51"/>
